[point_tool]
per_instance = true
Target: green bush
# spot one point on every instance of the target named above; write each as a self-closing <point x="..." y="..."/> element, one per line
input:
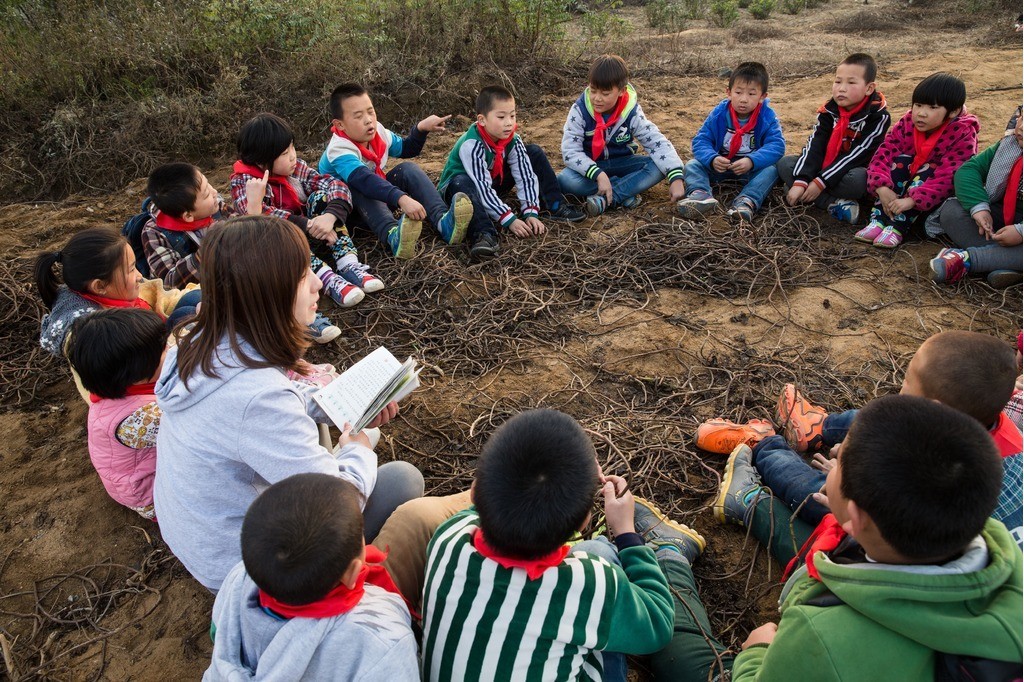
<point x="724" y="13"/>
<point x="793" y="6"/>
<point x="744" y="4"/>
<point x="666" y="15"/>
<point x="761" y="9"/>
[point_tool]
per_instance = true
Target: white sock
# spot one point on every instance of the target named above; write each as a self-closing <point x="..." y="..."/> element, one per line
<point x="347" y="260"/>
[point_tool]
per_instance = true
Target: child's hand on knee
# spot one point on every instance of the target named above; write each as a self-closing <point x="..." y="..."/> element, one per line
<point x="1007" y="236"/>
<point x="720" y="164"/>
<point x="900" y="206"/>
<point x="322" y="227"/>
<point x="412" y="208"/>
<point x="618" y="505"/>
<point x="984" y="222"/>
<point x="742" y="166"/>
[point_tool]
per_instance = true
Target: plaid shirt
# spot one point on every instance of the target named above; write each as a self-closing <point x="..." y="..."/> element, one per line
<point x="174" y="268"/>
<point x="1010" y="509"/>
<point x="309" y="180"/>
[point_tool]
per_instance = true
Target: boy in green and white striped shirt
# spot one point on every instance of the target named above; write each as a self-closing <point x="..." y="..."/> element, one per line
<point x="504" y="597"/>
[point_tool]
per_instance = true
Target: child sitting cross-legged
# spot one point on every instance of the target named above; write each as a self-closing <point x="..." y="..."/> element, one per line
<point x="907" y="578"/>
<point x="118" y="354"/>
<point x="487" y="161"/>
<point x="831" y="171"/>
<point x="506" y="597"/>
<point x="741" y="139"/>
<point x="310" y="600"/>
<point x="912" y="172"/>
<point x="269" y="179"/>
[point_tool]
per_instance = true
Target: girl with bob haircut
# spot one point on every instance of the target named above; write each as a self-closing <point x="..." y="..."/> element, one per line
<point x="233" y="422"/>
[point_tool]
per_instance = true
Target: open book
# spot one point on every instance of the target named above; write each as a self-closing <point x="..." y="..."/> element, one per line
<point x="362" y="391"/>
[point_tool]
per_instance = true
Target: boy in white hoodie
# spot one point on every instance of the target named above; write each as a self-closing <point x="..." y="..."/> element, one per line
<point x="310" y="600"/>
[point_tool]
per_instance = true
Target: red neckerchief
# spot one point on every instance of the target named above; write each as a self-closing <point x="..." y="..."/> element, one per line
<point x="1006" y="436"/>
<point x="375" y="153"/>
<point x="924" y="146"/>
<point x="168" y="222"/>
<point x="134" y="389"/>
<point x="1012" y="187"/>
<point x="737" y="138"/>
<point x="115" y="302"/>
<point x="498" y="147"/>
<point x="825" y="538"/>
<point x="840" y="131"/>
<point x="534" y="567"/>
<point x="600" y="125"/>
<point x="341" y="599"/>
<point x="282" y="194"/>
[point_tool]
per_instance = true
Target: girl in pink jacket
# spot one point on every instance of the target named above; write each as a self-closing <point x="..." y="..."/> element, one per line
<point x="118" y="354"/>
<point x="912" y="172"/>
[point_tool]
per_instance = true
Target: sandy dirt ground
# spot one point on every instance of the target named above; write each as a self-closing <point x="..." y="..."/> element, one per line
<point x="641" y="325"/>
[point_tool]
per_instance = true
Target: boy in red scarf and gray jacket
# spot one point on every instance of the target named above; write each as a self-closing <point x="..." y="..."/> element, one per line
<point x="831" y="171"/>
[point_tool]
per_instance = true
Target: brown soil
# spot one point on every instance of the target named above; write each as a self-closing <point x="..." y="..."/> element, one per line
<point x="639" y="367"/>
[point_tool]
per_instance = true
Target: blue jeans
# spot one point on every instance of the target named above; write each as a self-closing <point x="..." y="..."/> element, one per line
<point x="790" y="478"/>
<point x="629" y="175"/>
<point x="184" y="308"/>
<point x="756" y="184"/>
<point x="410" y="178"/>
<point x="397" y="483"/>
<point x="835" y="427"/>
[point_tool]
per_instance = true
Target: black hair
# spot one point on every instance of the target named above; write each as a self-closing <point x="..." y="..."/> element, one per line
<point x="608" y="71"/>
<point x="300" y="536"/>
<point x="342" y="93"/>
<point x="969" y="371"/>
<point x="262" y="139"/>
<point x="112" y="349"/>
<point x="93" y="253"/>
<point x="490" y="96"/>
<point x="941" y="90"/>
<point x="927" y="475"/>
<point x="173" y="187"/>
<point x="750" y="72"/>
<point x="865" y="60"/>
<point x="535" y="483"/>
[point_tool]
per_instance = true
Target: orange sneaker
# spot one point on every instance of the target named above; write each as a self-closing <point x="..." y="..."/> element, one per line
<point x="800" y="421"/>
<point x="722" y="436"/>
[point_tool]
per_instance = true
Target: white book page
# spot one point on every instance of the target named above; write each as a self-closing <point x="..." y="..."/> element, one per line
<point x="348" y="397"/>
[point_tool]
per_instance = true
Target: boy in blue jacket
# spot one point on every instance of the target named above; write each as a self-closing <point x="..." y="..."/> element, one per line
<point x="741" y="139"/>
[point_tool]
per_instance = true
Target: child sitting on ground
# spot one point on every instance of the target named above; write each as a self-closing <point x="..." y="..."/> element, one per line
<point x="310" y="600"/>
<point x="269" y="179"/>
<point x="533" y="489"/>
<point x="831" y="171"/>
<point x="486" y="161"/>
<point x="186" y="205"/>
<point x="358" y="153"/>
<point x="741" y="139"/>
<point x="912" y="172"/>
<point x="908" y="563"/>
<point x="599" y="147"/>
<point x="984" y="218"/>
<point x="118" y="353"/>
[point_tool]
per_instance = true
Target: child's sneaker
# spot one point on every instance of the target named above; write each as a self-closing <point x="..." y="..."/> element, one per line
<point x="800" y="421"/>
<point x="596" y="205"/>
<point x="342" y="292"/>
<point x="403" y="236"/>
<point x="656" y="528"/>
<point x="359" y="275"/>
<point x="722" y="436"/>
<point x="888" y="238"/>
<point x="845" y="210"/>
<point x="565" y="211"/>
<point x="695" y="207"/>
<point x="632" y="202"/>
<point x="1000" y="279"/>
<point x="869" y="233"/>
<point x="484" y="246"/>
<point x="950" y="265"/>
<point x="322" y="330"/>
<point x="741" y="486"/>
<point x="742" y="210"/>
<point x="455" y="221"/>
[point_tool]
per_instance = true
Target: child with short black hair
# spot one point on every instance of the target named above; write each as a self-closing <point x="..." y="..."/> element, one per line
<point x="599" y="144"/>
<point x="487" y="161"/>
<point x="741" y="139"/>
<point x="310" y="600"/>
<point x="358" y="154"/>
<point x="117" y="354"/>
<point x="533" y="489"/>
<point x="186" y="205"/>
<point x="831" y="171"/>
<point x="269" y="179"/>
<point x="912" y="172"/>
